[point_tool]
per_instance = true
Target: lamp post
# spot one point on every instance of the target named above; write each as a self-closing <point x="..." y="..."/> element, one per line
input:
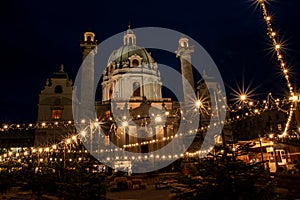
<point x="201" y="112"/>
<point x="125" y="128"/>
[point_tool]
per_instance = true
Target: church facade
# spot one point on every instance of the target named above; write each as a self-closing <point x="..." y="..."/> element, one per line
<point x="55" y="108"/>
<point x="137" y="116"/>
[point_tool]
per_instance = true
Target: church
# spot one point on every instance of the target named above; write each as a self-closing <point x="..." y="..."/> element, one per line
<point x="131" y="86"/>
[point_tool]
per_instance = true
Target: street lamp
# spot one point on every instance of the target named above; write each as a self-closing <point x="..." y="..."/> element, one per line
<point x="125" y="125"/>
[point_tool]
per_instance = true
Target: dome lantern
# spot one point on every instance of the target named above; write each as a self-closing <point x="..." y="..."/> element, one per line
<point x="129" y="37"/>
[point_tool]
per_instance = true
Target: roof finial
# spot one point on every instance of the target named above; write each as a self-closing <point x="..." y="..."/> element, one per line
<point x="129" y="25"/>
<point x="61" y="68"/>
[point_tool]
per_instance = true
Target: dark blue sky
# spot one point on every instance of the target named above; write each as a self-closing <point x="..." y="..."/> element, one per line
<point x="38" y="36"/>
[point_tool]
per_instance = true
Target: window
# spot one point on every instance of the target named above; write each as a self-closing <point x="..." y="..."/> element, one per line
<point x="135" y="63"/>
<point x="279" y="127"/>
<point x="136" y="89"/>
<point x="111" y="68"/>
<point x="58" y="89"/>
<point x="56" y="114"/>
<point x="111" y="91"/>
<point x="106" y="140"/>
<point x="107" y="113"/>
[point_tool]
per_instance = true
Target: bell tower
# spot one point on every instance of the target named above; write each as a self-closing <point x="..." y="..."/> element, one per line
<point x="88" y="49"/>
<point x="88" y="44"/>
<point x="184" y="52"/>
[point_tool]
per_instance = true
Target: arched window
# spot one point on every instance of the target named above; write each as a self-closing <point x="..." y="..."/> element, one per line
<point x="58" y="89"/>
<point x="111" y="91"/>
<point x="130" y="40"/>
<point x="135" y="63"/>
<point x="136" y="89"/>
<point x="111" y="68"/>
<point x="56" y="114"/>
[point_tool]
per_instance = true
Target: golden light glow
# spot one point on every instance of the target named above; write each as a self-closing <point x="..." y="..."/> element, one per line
<point x="83" y="133"/>
<point x="96" y="124"/>
<point x="198" y="103"/>
<point x="158" y="119"/>
<point x="243" y="97"/>
<point x="294" y="98"/>
<point x="125" y="123"/>
<point x="243" y="94"/>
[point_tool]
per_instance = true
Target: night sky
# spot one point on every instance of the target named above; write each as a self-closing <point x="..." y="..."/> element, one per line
<point x="38" y="36"/>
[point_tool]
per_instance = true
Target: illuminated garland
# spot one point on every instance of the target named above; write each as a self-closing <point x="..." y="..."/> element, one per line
<point x="253" y="108"/>
<point x="250" y="108"/>
<point x="6" y="127"/>
<point x="273" y="36"/>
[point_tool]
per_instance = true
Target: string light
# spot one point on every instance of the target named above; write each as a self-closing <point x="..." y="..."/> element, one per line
<point x="243" y="94"/>
<point x="277" y="46"/>
<point x="242" y="97"/>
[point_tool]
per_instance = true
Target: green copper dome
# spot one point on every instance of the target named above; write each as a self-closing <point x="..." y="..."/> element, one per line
<point x="121" y="56"/>
<point x="130" y="55"/>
